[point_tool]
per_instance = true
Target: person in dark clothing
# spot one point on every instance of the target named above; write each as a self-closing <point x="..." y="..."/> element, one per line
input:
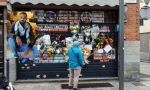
<point x="21" y="38"/>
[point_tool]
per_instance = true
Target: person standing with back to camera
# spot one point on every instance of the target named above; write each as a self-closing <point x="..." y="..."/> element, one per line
<point x="75" y="63"/>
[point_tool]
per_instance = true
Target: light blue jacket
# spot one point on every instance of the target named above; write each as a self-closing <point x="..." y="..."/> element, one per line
<point x="73" y="61"/>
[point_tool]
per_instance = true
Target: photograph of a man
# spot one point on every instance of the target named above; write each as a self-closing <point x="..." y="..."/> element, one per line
<point x="21" y="38"/>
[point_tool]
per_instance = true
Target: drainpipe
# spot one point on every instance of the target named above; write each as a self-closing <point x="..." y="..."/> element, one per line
<point x="5" y="38"/>
<point x="121" y="45"/>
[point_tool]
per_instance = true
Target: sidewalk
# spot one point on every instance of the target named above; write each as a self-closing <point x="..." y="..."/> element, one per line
<point x="144" y="84"/>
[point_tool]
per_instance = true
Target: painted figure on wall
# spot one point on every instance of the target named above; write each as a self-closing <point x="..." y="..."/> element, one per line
<point x="21" y="38"/>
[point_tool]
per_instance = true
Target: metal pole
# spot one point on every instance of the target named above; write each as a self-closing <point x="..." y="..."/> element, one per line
<point x="7" y="70"/>
<point x="5" y="38"/>
<point x="121" y="45"/>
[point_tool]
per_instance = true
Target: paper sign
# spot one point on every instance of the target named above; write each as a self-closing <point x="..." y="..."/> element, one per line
<point x="69" y="41"/>
<point x="100" y="51"/>
<point x="107" y="48"/>
<point x="88" y="46"/>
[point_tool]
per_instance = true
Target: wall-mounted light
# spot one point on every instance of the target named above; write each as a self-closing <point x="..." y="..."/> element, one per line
<point x="125" y="11"/>
<point x="125" y="7"/>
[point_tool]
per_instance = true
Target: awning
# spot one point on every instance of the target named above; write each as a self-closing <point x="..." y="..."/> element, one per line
<point x="3" y="3"/>
<point x="69" y="2"/>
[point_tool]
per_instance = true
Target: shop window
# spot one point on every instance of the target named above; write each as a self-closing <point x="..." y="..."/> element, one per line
<point x="56" y="30"/>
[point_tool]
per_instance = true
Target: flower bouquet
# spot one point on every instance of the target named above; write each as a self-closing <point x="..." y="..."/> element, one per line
<point x="86" y="54"/>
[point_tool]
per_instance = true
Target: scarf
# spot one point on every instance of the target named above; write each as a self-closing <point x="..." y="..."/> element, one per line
<point x="19" y="28"/>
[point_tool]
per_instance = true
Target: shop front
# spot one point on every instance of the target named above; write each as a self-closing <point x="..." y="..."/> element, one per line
<point x="56" y="24"/>
<point x="2" y="10"/>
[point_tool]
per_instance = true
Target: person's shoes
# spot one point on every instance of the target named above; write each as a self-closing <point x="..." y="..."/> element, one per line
<point x="16" y="56"/>
<point x="76" y="89"/>
<point x="70" y="87"/>
<point x="30" y="62"/>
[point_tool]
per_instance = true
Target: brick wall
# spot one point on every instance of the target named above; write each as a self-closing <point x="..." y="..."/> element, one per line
<point x="3" y="3"/>
<point x="2" y="0"/>
<point x="131" y="27"/>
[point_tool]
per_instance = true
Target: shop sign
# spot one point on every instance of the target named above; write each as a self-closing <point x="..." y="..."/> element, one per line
<point x="53" y="27"/>
<point x="130" y="1"/>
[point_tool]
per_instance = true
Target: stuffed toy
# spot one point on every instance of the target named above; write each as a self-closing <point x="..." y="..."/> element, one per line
<point x="50" y="51"/>
<point x="87" y="35"/>
<point x="43" y="42"/>
<point x="94" y="32"/>
<point x="69" y="42"/>
<point x="86" y="54"/>
<point x="74" y="29"/>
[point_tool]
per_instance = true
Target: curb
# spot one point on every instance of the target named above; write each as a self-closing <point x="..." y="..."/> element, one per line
<point x="65" y="80"/>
